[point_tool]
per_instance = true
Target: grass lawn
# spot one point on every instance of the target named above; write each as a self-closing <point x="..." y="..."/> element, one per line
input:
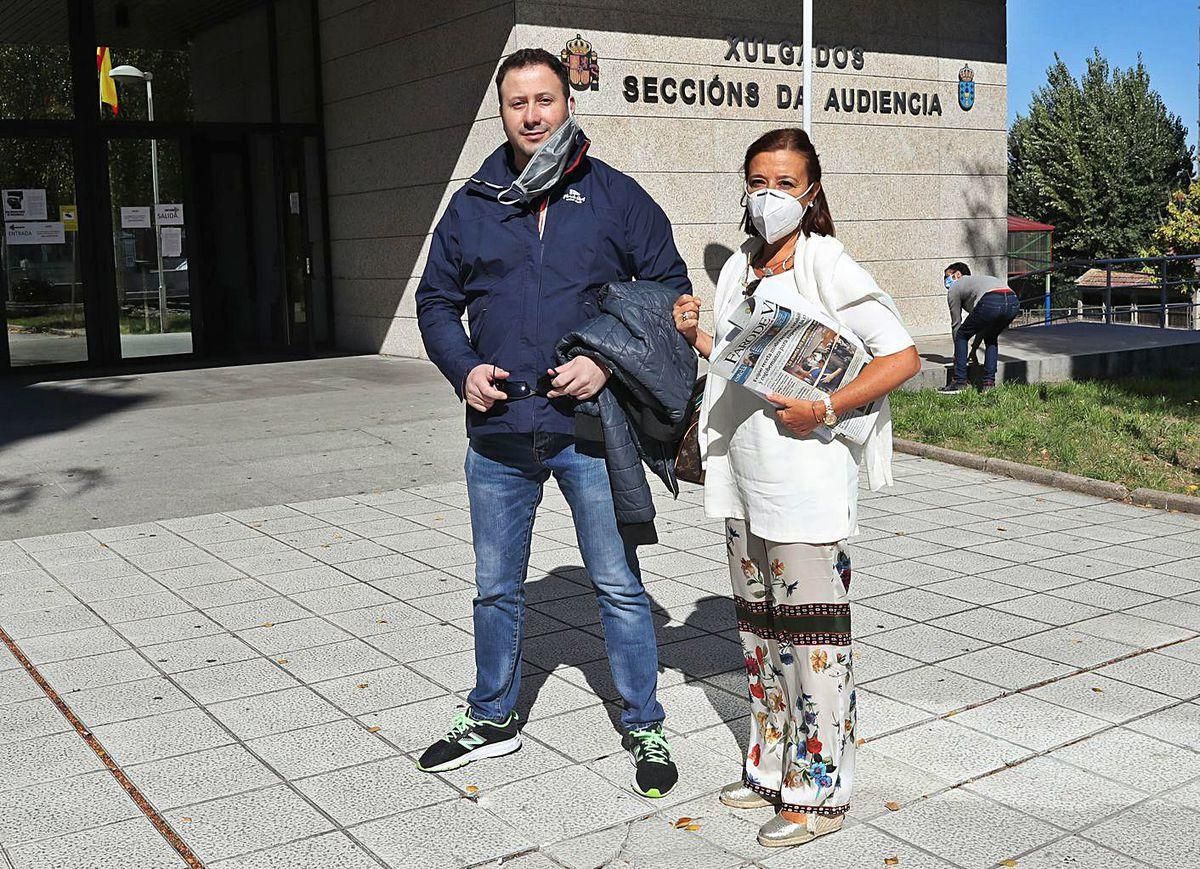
<point x="1143" y="432"/>
<point x="131" y="324"/>
<point x="47" y="322"/>
<point x="135" y="323"/>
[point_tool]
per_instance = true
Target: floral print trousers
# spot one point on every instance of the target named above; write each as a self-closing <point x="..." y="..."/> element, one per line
<point x="793" y="614"/>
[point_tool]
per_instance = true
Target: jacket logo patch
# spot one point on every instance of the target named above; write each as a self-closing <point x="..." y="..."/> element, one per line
<point x="575" y="196"/>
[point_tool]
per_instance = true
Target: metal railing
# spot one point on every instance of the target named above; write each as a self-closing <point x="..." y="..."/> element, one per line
<point x="1179" y="315"/>
<point x="1167" y="298"/>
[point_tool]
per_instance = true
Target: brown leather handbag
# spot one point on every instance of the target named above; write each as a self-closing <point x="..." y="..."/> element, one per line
<point x="687" y="456"/>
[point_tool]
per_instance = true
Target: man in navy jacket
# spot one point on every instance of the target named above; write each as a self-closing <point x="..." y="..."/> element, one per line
<point x="524" y="248"/>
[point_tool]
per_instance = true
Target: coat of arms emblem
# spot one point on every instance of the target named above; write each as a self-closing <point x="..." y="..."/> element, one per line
<point x="583" y="67"/>
<point x="966" y="88"/>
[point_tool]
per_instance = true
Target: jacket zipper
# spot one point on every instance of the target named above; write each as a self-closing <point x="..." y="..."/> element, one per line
<point x="541" y="222"/>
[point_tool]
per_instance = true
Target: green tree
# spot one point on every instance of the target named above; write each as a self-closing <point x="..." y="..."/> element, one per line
<point x="37" y="81"/>
<point x="1097" y="157"/>
<point x="38" y="85"/>
<point x="1179" y="233"/>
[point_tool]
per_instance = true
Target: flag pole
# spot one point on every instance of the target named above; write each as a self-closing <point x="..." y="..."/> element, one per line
<point x="808" y="65"/>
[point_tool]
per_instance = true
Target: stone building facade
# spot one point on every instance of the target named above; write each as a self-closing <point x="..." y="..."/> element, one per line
<point x="909" y="116"/>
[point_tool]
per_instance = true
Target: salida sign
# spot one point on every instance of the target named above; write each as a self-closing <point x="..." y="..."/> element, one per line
<point x="760" y="52"/>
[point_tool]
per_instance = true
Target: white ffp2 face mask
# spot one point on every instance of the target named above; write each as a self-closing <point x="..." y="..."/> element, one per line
<point x="776" y="214"/>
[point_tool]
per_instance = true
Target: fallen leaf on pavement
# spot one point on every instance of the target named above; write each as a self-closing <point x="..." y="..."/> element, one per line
<point x="361" y="685"/>
<point x="186" y="820"/>
<point x="891" y="861"/>
<point x="691" y="828"/>
<point x="1009" y="863"/>
<point x="282" y="661"/>
<point x="381" y="621"/>
<point x="860" y="741"/>
<point x="268" y="624"/>
<point x="471" y="790"/>
<point x="1098" y="690"/>
<point x="892" y="806"/>
<point x="374" y="728"/>
<point x="681" y="823"/>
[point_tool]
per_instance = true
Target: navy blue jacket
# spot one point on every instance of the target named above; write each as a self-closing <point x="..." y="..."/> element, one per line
<point x="523" y="293"/>
<point x="644" y="410"/>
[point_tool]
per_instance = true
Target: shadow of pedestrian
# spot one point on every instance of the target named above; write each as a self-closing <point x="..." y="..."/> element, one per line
<point x="572" y="604"/>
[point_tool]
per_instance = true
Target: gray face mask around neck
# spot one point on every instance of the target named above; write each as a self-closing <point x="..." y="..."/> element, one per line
<point x="544" y="169"/>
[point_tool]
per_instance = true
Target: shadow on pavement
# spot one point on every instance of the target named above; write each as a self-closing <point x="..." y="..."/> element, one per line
<point x="31" y="409"/>
<point x="18" y="493"/>
<point x="708" y="612"/>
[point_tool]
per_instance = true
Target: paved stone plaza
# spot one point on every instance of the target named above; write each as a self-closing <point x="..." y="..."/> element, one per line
<point x="1028" y="661"/>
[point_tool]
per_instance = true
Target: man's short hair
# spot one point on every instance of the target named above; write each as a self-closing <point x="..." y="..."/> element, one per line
<point x="533" y="57"/>
<point x="961" y="268"/>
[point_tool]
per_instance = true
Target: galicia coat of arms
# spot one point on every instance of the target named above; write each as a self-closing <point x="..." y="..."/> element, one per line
<point x="583" y="67"/>
<point x="966" y="88"/>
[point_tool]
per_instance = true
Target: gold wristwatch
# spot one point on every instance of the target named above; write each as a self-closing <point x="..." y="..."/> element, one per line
<point x="830" y="419"/>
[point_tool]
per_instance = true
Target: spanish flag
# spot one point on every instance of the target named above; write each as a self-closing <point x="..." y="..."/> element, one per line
<point x="108" y="88"/>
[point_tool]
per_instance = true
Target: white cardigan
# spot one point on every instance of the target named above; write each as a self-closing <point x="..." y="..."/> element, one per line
<point x="818" y="257"/>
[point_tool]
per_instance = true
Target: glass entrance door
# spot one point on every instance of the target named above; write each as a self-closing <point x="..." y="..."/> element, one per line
<point x="40" y="277"/>
<point x="303" y="243"/>
<point x="150" y="236"/>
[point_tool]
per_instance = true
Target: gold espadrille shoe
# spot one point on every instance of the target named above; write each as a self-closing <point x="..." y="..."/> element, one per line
<point x="738" y="796"/>
<point x="779" y="832"/>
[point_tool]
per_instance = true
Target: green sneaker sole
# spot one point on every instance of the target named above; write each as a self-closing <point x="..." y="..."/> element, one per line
<point x="649" y="793"/>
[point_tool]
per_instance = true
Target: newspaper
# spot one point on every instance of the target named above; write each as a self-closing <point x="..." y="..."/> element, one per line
<point x="795" y="350"/>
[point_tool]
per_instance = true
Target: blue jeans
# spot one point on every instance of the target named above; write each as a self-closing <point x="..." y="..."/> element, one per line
<point x="992" y="315"/>
<point x="505" y="474"/>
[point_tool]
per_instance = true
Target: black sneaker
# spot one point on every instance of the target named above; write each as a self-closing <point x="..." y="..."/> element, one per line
<point x="954" y="387"/>
<point x="656" y="773"/>
<point x="987" y="386"/>
<point x="470" y="740"/>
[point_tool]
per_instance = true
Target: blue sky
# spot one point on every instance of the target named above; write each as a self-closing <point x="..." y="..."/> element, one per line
<point x="1164" y="31"/>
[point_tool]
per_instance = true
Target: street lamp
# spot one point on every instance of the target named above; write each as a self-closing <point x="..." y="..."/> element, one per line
<point x="127" y="74"/>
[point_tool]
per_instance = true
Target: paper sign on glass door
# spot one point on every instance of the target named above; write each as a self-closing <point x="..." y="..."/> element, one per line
<point x="168" y="215"/>
<point x="31" y="232"/>
<point x="172" y="241"/>
<point x="24" y="204"/>
<point x="135" y="217"/>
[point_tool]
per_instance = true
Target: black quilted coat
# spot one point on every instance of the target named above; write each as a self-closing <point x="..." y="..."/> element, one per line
<point x="643" y="410"/>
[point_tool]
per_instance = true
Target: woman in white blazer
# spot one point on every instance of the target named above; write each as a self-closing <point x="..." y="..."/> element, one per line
<point x="789" y="498"/>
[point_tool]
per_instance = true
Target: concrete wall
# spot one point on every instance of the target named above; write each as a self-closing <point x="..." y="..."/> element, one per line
<point x="410" y="113"/>
<point x="231" y="70"/>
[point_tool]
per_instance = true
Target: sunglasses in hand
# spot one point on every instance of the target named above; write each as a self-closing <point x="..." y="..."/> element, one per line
<point x="515" y="390"/>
